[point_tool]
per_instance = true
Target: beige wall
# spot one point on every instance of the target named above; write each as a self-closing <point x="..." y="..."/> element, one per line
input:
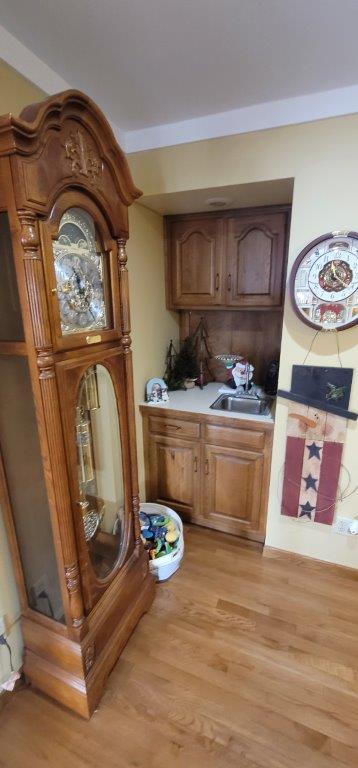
<point x="152" y="328"/>
<point x="152" y="325"/>
<point x="323" y="159"/>
<point x="15" y="91"/>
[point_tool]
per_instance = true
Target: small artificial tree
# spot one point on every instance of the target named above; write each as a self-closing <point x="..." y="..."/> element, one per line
<point x="185" y="365"/>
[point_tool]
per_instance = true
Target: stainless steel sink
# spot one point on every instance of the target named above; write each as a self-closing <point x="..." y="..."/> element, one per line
<point x="260" y="406"/>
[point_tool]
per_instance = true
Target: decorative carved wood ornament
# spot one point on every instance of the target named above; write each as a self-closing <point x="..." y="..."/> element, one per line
<point x="81" y="157"/>
<point x="89" y="656"/>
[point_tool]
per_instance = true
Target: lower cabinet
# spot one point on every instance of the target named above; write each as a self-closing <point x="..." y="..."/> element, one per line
<point x="174" y="474"/>
<point x="222" y="484"/>
<point x="232" y="489"/>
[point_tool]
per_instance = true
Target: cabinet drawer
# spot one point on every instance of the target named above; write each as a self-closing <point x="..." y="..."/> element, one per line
<point x="234" y="437"/>
<point x="173" y="427"/>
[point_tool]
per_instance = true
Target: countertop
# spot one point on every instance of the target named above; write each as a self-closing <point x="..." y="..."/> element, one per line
<point x="199" y="401"/>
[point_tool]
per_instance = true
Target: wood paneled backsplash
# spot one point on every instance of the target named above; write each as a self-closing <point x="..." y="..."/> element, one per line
<point x="256" y="335"/>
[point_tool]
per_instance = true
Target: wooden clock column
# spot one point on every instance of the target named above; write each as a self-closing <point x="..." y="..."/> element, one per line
<point x="68" y="469"/>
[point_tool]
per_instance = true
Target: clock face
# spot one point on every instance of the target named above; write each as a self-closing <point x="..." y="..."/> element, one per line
<point x="79" y="269"/>
<point x="324" y="283"/>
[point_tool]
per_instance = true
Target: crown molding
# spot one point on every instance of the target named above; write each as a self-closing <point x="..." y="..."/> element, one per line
<point x="29" y="65"/>
<point x="271" y="114"/>
<point x="34" y="69"/>
<point x="258" y="117"/>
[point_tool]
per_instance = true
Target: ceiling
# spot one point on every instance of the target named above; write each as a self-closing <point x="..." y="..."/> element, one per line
<point x="154" y="62"/>
<point x="275" y="192"/>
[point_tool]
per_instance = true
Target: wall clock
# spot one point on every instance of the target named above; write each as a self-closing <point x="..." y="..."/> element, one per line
<point x="324" y="282"/>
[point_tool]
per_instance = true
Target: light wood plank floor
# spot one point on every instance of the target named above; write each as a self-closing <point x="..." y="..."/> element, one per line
<point x="244" y="661"/>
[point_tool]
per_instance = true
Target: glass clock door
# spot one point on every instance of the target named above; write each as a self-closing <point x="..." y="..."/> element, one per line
<point x="99" y="461"/>
<point x="95" y="425"/>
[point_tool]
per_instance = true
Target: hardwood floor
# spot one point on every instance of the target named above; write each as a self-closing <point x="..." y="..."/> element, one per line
<point x="243" y="661"/>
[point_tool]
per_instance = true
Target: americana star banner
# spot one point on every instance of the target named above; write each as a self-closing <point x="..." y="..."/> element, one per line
<point x="312" y="464"/>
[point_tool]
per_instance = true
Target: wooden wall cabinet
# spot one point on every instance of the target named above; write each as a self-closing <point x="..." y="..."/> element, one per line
<point x="255" y="259"/>
<point x="68" y="469"/>
<point x="196" y="261"/>
<point x="214" y="471"/>
<point x="234" y="259"/>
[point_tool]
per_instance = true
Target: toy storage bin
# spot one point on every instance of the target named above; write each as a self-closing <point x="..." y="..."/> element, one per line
<point x="164" y="567"/>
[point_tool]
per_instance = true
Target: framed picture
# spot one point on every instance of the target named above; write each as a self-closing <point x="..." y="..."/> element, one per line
<point x="156" y="391"/>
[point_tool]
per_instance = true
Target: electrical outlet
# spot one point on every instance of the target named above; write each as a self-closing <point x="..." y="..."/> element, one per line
<point x="3" y="624"/>
<point x="342" y="525"/>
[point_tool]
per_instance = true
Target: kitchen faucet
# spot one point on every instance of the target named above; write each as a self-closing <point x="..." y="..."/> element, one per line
<point x="247" y="376"/>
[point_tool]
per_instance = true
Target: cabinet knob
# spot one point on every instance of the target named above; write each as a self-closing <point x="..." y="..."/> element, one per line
<point x="229" y="282"/>
<point x="217" y="281"/>
<point x="206" y="463"/>
<point x="195" y="463"/>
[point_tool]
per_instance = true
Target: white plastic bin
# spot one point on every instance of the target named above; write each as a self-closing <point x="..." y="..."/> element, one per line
<point x="164" y="567"/>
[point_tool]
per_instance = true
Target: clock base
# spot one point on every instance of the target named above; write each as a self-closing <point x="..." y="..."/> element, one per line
<point x="75" y="673"/>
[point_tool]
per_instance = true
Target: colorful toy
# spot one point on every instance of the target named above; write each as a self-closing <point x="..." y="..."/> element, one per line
<point x="172" y="536"/>
<point x="159" y="534"/>
<point x="144" y="520"/>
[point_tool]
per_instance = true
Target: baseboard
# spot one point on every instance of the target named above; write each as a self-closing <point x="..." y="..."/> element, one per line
<point x="293" y="557"/>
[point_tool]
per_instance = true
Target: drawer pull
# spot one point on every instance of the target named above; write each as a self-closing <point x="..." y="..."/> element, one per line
<point x="217" y="281"/>
<point x="229" y="282"/>
<point x="206" y="466"/>
<point x="173" y="426"/>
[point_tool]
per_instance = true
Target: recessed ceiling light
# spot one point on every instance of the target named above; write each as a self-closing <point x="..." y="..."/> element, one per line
<point x="217" y="202"/>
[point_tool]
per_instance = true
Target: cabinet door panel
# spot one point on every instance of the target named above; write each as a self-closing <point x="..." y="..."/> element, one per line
<point x="255" y="259"/>
<point x="174" y="473"/>
<point x="232" y="490"/>
<point x="196" y="262"/>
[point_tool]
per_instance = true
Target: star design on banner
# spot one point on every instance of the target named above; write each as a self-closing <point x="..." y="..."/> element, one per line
<point x="306" y="509"/>
<point x="310" y="482"/>
<point x="314" y="450"/>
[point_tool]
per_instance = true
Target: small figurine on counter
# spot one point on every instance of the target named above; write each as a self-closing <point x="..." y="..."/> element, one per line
<point x="242" y="374"/>
<point x="156" y="391"/>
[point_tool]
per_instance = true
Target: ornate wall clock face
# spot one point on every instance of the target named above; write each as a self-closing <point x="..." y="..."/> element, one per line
<point x="324" y="282"/>
<point x="79" y="272"/>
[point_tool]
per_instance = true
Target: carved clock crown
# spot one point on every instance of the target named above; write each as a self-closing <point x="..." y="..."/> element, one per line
<point x="66" y="141"/>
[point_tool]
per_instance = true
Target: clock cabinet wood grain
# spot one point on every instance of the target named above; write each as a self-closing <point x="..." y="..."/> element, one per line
<point x="234" y="259"/>
<point x="68" y="470"/>
<point x="213" y="470"/>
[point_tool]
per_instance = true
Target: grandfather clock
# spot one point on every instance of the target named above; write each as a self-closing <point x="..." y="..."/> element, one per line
<point x="69" y="487"/>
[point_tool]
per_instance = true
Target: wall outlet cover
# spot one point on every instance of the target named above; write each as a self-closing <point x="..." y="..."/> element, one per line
<point x="343" y="525"/>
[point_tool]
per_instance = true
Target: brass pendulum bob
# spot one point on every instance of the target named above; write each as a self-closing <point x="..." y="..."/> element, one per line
<point x="91" y="389"/>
